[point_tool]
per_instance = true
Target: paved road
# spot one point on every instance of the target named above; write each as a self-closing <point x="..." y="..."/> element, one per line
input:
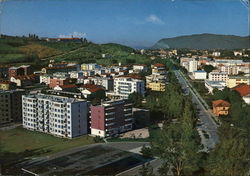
<point x="207" y="124"/>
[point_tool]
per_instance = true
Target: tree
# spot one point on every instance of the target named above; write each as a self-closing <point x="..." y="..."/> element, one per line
<point x="136" y="98"/>
<point x="208" y="68"/>
<point x="232" y="155"/>
<point x="146" y="170"/>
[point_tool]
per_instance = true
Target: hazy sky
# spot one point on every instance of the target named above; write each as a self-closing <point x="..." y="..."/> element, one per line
<point x="130" y="22"/>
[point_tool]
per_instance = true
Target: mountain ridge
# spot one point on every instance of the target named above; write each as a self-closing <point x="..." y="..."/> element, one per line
<point x="204" y="41"/>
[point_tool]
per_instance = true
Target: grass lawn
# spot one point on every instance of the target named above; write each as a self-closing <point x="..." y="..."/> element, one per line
<point x="18" y="140"/>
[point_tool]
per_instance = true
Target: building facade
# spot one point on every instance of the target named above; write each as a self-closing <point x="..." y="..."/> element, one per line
<point x="60" y="116"/>
<point x="233" y="81"/>
<point x="11" y="106"/>
<point x="111" y="118"/>
<point x="124" y="86"/>
<point x="217" y="76"/>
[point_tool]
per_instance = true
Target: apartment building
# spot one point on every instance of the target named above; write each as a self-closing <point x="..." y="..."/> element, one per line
<point x="200" y="74"/>
<point x="158" y="79"/>
<point x="124" y="86"/>
<point x="233" y="81"/>
<point x="217" y="76"/>
<point x="60" y="116"/>
<point x="111" y="118"/>
<point x="11" y="106"/>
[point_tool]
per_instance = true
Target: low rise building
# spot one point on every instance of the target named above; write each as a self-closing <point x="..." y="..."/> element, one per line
<point x="233" y="81"/>
<point x="244" y="91"/>
<point x="211" y="85"/>
<point x="140" y="68"/>
<point x="220" y="107"/>
<point x="111" y="118"/>
<point x="60" y="116"/>
<point x="200" y="74"/>
<point x="157" y="86"/>
<point x="217" y="76"/>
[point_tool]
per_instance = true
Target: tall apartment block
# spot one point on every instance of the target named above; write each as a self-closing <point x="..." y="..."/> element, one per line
<point x="56" y="115"/>
<point x="11" y="106"/>
<point x="111" y="118"/>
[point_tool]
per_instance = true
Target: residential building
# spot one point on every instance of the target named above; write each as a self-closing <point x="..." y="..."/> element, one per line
<point x="140" y="68"/>
<point x="91" y="91"/>
<point x="158" y="79"/>
<point x="211" y="85"/>
<point x="60" y="116"/>
<point x="156" y="86"/>
<point x="217" y="76"/>
<point x="6" y="85"/>
<point x="20" y="71"/>
<point x="4" y="71"/>
<point x="244" y="91"/>
<point x="220" y="107"/>
<point x="11" y="106"/>
<point x="25" y="80"/>
<point x="92" y="66"/>
<point x="54" y="69"/>
<point x="124" y="86"/>
<point x="111" y="118"/>
<point x="233" y="81"/>
<point x="200" y="74"/>
<point x="60" y="81"/>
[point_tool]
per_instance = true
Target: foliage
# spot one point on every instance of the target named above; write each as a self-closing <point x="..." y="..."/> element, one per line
<point x="146" y="151"/>
<point x="146" y="170"/>
<point x="231" y="156"/>
<point x="208" y="68"/>
<point x="136" y="99"/>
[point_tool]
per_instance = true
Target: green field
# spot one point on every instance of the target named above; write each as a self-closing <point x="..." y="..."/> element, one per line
<point x="18" y="140"/>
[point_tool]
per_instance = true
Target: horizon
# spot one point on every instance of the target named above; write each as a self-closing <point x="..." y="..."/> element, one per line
<point x="133" y="23"/>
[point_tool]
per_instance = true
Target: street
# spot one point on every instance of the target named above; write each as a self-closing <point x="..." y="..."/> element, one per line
<point x="206" y="123"/>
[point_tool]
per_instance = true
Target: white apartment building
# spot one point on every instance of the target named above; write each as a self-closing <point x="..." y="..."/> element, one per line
<point x="216" y="54"/>
<point x="200" y="74"/>
<point x="217" y="76"/>
<point x="60" y="116"/>
<point x="124" y="86"/>
<point x="139" y="68"/>
<point x="192" y="66"/>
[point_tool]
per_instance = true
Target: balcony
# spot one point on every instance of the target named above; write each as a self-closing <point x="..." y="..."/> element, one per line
<point x="109" y="113"/>
<point x="109" y="119"/>
<point x="129" y="119"/>
<point x="129" y="114"/>
<point x="109" y="124"/>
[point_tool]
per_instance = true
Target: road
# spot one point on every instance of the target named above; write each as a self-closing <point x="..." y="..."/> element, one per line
<point x="206" y="125"/>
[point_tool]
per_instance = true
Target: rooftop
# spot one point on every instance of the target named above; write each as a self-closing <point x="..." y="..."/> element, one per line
<point x="243" y="89"/>
<point x="220" y="103"/>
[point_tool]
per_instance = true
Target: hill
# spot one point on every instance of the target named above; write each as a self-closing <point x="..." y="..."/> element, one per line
<point x="204" y="41"/>
<point x="34" y="51"/>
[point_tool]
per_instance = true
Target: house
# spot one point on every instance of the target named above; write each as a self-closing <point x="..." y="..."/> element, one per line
<point x="244" y="91"/>
<point x="91" y="90"/>
<point x="6" y="85"/>
<point x="25" y="80"/>
<point x="58" y="81"/>
<point x="67" y="87"/>
<point x="220" y="107"/>
<point x="140" y="68"/>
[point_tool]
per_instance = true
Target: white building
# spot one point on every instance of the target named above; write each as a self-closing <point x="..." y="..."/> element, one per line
<point x="217" y="76"/>
<point x="200" y="74"/>
<point x="211" y="85"/>
<point x="124" y="86"/>
<point x="45" y="78"/>
<point x="56" y="115"/>
<point x="192" y="66"/>
<point x="216" y="54"/>
<point x="140" y="68"/>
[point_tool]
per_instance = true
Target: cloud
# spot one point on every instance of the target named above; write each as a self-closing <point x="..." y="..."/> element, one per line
<point x="73" y="34"/>
<point x="154" y="19"/>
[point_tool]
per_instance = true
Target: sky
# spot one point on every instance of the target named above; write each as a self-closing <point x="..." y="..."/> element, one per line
<point x="136" y="23"/>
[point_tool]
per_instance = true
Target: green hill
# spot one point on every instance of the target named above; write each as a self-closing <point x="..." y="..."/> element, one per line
<point x="33" y="50"/>
<point x="204" y="41"/>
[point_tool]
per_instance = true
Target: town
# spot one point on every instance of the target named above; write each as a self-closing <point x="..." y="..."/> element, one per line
<point x="120" y="88"/>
